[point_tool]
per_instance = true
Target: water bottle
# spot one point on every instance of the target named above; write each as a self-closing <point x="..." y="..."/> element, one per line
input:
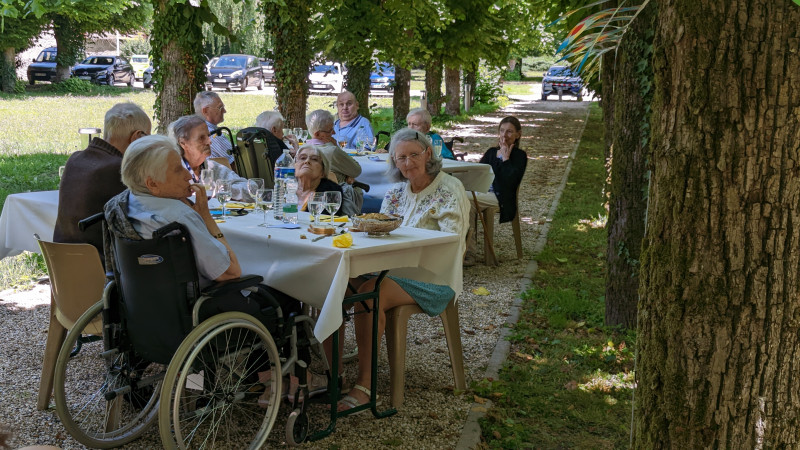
<point x="284" y="168"/>
<point x="290" y="205"/>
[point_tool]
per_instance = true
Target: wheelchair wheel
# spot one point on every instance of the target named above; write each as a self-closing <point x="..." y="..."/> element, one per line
<point x="296" y="427"/>
<point x="84" y="382"/>
<point x="211" y="393"/>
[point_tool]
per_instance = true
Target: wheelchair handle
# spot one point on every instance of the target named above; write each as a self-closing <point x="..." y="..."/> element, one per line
<point x="89" y="221"/>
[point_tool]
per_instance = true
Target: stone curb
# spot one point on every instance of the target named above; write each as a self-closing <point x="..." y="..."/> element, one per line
<point x="471" y="433"/>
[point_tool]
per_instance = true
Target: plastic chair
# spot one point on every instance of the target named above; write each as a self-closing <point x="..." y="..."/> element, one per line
<point x="487" y="220"/>
<point x="77" y="279"/>
<point x="396" y="333"/>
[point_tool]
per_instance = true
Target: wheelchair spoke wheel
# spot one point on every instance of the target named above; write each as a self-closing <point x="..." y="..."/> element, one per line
<point x="222" y="387"/>
<point x="86" y="384"/>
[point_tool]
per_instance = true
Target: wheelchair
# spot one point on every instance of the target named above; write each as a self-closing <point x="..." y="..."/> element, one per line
<point x="214" y="383"/>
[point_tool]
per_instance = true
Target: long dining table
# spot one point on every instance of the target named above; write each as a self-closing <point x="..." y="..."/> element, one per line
<point x="474" y="176"/>
<point x="313" y="271"/>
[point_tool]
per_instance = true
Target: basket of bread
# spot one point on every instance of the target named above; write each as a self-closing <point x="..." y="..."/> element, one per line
<point x="376" y="224"/>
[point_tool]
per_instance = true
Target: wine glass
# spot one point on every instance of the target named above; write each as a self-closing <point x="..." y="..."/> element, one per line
<point x="224" y="192"/>
<point x="305" y="135"/>
<point x="287" y="131"/>
<point x="316" y="205"/>
<point x="253" y="185"/>
<point x="264" y="202"/>
<point x="333" y="201"/>
<point x="207" y="181"/>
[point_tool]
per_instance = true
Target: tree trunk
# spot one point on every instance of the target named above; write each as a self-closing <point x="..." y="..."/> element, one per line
<point x="433" y="85"/>
<point x="471" y="80"/>
<point x="401" y="99"/>
<point x="8" y="73"/>
<point x="288" y="25"/>
<point x="452" y="83"/>
<point x="628" y="188"/>
<point x="177" y="49"/>
<point x="69" y="41"/>
<point x="720" y="295"/>
<point x="358" y="84"/>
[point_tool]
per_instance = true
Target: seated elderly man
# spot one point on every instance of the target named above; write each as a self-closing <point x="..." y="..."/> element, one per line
<point x="420" y="119"/>
<point x="159" y="187"/>
<point x="209" y="106"/>
<point x="351" y="126"/>
<point x="274" y="122"/>
<point x="342" y="165"/>
<point x="91" y="176"/>
<point x="191" y="135"/>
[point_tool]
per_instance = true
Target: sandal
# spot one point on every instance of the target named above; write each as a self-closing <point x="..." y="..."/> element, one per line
<point x="317" y="386"/>
<point x="351" y="402"/>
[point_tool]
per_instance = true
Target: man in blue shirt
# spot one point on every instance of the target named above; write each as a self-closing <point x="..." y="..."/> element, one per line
<point x="351" y="126"/>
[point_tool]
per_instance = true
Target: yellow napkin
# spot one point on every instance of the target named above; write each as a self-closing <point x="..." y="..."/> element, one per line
<point x="339" y="219"/>
<point x="343" y="240"/>
<point x="238" y="205"/>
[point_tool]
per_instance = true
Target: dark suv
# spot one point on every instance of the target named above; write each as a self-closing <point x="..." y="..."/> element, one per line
<point x="559" y="80"/>
<point x="235" y="71"/>
<point x="43" y="68"/>
<point x="105" y="70"/>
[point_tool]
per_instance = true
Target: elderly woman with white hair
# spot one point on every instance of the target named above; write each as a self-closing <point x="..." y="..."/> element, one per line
<point x="427" y="198"/>
<point x="274" y="122"/>
<point x="344" y="168"/>
<point x="190" y="133"/>
<point x="420" y="119"/>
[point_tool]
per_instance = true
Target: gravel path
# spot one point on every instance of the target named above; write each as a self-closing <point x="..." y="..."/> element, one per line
<point x="432" y="416"/>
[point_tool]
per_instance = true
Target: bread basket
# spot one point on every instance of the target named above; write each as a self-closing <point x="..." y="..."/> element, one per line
<point x="376" y="226"/>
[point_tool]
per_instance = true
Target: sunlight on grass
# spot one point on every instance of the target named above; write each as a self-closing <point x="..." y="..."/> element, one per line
<point x="21" y="271"/>
<point x="585" y="225"/>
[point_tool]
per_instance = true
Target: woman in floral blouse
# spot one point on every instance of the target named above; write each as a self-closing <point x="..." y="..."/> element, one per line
<point x="427" y="198"/>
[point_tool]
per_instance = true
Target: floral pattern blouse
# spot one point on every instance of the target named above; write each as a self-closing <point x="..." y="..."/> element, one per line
<point x="443" y="205"/>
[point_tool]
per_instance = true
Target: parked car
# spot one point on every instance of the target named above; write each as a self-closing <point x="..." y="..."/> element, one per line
<point x="268" y="69"/>
<point x="235" y="72"/>
<point x="140" y="63"/>
<point x="382" y="77"/>
<point x="147" y="76"/>
<point x="105" y="70"/>
<point x="328" y="77"/>
<point x="43" y="68"/>
<point x="561" y="78"/>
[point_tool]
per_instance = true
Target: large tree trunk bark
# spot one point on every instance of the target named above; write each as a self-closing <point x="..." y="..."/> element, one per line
<point x="433" y="85"/>
<point x="8" y="74"/>
<point x="288" y="26"/>
<point x="177" y="42"/>
<point x="452" y="84"/>
<point x="628" y="188"/>
<point x="358" y="84"/>
<point x="471" y="80"/>
<point x="720" y="294"/>
<point x="69" y="41"/>
<point x="401" y="98"/>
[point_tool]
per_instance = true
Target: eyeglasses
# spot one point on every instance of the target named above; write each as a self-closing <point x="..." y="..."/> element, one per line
<point x="219" y="108"/>
<point x="409" y="157"/>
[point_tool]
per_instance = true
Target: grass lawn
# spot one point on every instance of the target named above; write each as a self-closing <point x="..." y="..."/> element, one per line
<point x="569" y="380"/>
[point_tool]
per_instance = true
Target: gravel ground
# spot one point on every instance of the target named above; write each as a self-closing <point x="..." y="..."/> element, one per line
<point x="432" y="416"/>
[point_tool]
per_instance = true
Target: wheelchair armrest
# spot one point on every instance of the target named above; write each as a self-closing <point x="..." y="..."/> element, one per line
<point x="226" y="287"/>
<point x="91" y="220"/>
<point x="363" y="186"/>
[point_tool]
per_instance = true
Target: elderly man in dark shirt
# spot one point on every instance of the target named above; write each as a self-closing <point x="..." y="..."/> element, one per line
<point x="92" y="176"/>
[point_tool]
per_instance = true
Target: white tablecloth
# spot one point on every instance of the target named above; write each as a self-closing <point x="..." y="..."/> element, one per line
<point x="25" y="214"/>
<point x="313" y="272"/>
<point x="474" y="176"/>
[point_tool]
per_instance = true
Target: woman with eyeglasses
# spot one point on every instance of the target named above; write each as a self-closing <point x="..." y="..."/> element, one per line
<point x="310" y="168"/>
<point x="427" y="198"/>
<point x="508" y="162"/>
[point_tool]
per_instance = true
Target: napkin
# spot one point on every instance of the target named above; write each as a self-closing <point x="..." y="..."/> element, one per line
<point x="339" y="219"/>
<point x="238" y="205"/>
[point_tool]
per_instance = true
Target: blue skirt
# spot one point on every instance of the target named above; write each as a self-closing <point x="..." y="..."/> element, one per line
<point x="432" y="298"/>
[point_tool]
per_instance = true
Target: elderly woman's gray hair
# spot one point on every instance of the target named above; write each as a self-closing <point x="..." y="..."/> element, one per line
<point x="319" y="120"/>
<point x="326" y="165"/>
<point x="269" y="120"/>
<point x="123" y="119"/>
<point x="422" y="141"/>
<point x="146" y="158"/>
<point x="181" y="128"/>
<point x="203" y="99"/>
<point x="423" y="115"/>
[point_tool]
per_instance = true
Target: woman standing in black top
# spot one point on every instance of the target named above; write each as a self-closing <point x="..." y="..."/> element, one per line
<point x="508" y="163"/>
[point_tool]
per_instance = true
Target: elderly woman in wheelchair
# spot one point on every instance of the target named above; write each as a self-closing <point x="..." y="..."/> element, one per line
<point x="186" y="339"/>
